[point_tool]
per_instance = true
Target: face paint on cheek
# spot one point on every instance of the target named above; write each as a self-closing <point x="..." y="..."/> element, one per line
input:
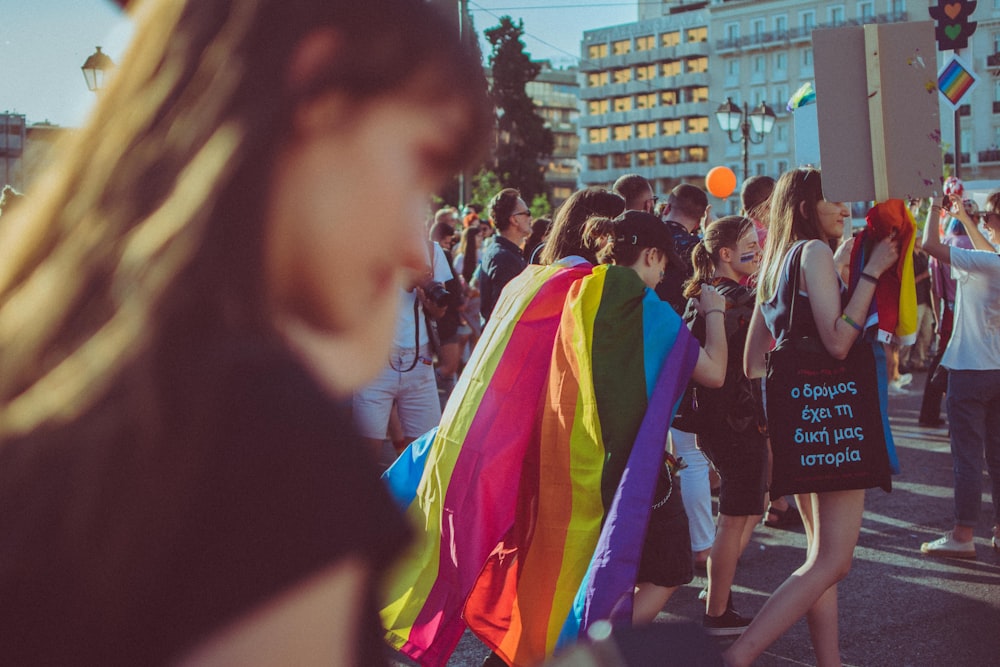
<point x="748" y="257"/>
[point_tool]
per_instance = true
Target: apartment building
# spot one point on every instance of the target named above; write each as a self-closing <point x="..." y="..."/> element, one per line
<point x="645" y="104"/>
<point x="555" y="93"/>
<point x="650" y="89"/>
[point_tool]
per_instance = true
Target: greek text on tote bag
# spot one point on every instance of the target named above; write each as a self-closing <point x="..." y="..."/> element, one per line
<point x="823" y="414"/>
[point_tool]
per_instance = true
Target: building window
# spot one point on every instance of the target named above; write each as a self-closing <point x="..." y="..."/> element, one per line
<point x="621" y="47"/>
<point x="597" y="51"/>
<point x="780" y="97"/>
<point x="668" y="98"/>
<point x="759" y="66"/>
<point x="597" y="162"/>
<point x="696" y="65"/>
<point x="670" y="38"/>
<point x="866" y="12"/>
<point x="807" y="57"/>
<point x="671" y="127"/>
<point x="781" y="133"/>
<point x="598" y="135"/>
<point x="697" y="35"/>
<point x="696" y="94"/>
<point x="621" y="160"/>
<point x="807" y="20"/>
<point x="697" y="154"/>
<point x="732" y="31"/>
<point x="623" y="104"/>
<point x="733" y="67"/>
<point x="670" y="156"/>
<point x="597" y="107"/>
<point x="781" y="61"/>
<point x="898" y="6"/>
<point x="645" y="43"/>
<point x="645" y="130"/>
<point x="645" y="159"/>
<point x="782" y="166"/>
<point x="645" y="72"/>
<point x="646" y="101"/>
<point x="781" y="25"/>
<point x="670" y="68"/>
<point x="697" y="125"/>
<point x="622" y="75"/>
<point x="836" y="15"/>
<point x="595" y="79"/>
<point x="757" y="27"/>
<point x="622" y="132"/>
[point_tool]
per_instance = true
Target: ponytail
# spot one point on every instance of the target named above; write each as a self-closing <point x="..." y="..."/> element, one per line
<point x="704" y="269"/>
<point x="722" y="233"/>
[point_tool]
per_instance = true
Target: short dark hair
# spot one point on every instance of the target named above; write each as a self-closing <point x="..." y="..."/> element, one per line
<point x="755" y="191"/>
<point x="502" y="206"/>
<point x="689" y="200"/>
<point x="631" y="187"/>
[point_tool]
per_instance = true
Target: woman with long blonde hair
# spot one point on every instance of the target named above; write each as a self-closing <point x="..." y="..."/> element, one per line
<point x="181" y="317"/>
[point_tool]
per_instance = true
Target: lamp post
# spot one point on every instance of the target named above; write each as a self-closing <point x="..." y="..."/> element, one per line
<point x="752" y="126"/>
<point x="96" y="69"/>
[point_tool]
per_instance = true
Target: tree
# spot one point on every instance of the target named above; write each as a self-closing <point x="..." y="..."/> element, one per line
<point x="524" y="144"/>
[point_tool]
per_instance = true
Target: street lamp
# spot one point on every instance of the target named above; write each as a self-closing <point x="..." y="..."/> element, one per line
<point x="752" y="126"/>
<point x="96" y="69"/>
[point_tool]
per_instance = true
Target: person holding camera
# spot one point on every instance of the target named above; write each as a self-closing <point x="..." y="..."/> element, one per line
<point x="502" y="260"/>
<point x="408" y="379"/>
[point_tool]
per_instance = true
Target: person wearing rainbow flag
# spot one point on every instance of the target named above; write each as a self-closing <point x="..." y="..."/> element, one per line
<point x="533" y="497"/>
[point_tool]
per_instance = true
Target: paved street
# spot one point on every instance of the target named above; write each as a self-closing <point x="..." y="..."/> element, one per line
<point x="898" y="607"/>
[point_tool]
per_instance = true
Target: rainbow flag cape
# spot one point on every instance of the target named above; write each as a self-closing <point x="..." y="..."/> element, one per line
<point x="534" y="493"/>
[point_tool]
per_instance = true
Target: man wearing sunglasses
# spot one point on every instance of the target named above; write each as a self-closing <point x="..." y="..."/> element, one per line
<point x="502" y="260"/>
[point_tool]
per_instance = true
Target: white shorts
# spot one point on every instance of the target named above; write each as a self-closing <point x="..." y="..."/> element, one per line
<point x="414" y="392"/>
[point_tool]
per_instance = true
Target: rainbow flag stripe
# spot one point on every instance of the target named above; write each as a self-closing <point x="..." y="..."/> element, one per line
<point x="955" y="80"/>
<point x="532" y="497"/>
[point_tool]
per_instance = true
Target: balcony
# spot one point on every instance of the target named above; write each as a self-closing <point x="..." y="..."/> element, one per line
<point x="949" y="158"/>
<point x="993" y="61"/>
<point x="990" y="155"/>
<point x="780" y="38"/>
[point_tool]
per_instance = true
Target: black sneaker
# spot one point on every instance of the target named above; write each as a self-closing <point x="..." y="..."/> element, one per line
<point x="727" y="625"/>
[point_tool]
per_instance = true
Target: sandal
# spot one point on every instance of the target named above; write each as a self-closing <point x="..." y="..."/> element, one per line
<point x="786" y="518"/>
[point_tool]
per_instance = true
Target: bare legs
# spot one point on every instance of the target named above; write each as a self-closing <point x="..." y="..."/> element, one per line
<point x="832" y="523"/>
<point x="731" y="539"/>
<point x="649" y="601"/>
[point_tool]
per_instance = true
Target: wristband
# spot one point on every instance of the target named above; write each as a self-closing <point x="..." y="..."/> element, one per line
<point x="714" y="310"/>
<point x="870" y="278"/>
<point x="857" y="327"/>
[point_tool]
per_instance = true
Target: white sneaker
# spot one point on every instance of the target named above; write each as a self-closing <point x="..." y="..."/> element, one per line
<point x="896" y="390"/>
<point x="904" y="379"/>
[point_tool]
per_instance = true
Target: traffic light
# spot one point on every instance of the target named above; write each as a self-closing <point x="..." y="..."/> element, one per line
<point x="953" y="25"/>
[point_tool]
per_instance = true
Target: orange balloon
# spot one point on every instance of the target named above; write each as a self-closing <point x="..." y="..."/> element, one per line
<point x="720" y="181"/>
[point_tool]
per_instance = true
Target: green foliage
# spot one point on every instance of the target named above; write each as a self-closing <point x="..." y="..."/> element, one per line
<point x="540" y="206"/>
<point x="485" y="184"/>
<point x="524" y="144"/>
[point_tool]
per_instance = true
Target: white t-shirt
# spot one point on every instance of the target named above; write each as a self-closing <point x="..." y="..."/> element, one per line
<point x="405" y="329"/>
<point x="975" y="340"/>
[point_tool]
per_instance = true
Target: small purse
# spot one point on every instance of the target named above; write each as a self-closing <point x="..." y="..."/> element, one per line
<point x="823" y="414"/>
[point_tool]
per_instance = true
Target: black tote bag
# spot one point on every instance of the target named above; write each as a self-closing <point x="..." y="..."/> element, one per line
<point x="823" y="414"/>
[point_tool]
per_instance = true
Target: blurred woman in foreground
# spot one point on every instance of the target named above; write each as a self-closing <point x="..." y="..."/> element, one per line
<point x="178" y="312"/>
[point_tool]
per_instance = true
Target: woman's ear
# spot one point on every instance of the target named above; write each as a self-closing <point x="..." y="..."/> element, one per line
<point x="726" y="254"/>
<point x="802" y="209"/>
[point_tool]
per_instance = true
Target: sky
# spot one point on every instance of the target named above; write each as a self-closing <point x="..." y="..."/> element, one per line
<point x="43" y="44"/>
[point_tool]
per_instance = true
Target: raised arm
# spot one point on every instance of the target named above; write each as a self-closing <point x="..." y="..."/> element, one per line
<point x="840" y="327"/>
<point x="931" y="241"/>
<point x="710" y="370"/>
<point x="979" y="242"/>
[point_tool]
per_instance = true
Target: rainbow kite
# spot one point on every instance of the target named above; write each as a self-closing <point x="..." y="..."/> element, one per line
<point x="531" y="500"/>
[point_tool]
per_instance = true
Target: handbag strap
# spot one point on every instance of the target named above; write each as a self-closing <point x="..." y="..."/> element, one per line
<point x="794" y="268"/>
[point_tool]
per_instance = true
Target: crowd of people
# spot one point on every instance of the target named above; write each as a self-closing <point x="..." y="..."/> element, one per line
<point x="199" y="382"/>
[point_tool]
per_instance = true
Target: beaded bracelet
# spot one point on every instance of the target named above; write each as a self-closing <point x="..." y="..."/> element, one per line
<point x="857" y="327"/>
<point x="870" y="278"/>
<point x="714" y="310"/>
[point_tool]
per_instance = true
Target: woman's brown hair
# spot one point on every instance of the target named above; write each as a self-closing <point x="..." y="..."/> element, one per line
<point x="148" y="229"/>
